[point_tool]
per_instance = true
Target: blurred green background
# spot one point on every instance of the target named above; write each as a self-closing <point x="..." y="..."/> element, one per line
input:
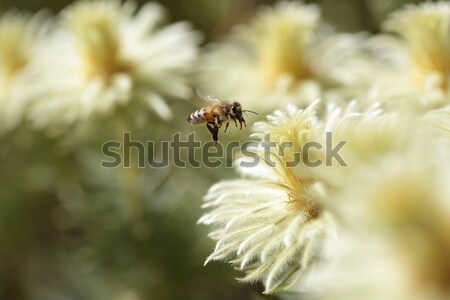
<point x="72" y="230"/>
<point x="215" y="18"/>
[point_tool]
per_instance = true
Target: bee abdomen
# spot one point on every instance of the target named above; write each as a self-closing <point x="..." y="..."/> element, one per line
<point x="197" y="117"/>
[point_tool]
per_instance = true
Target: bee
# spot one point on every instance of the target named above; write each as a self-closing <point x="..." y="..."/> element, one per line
<point x="216" y="114"/>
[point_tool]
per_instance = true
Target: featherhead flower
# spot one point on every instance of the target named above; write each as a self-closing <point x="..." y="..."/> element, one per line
<point x="107" y="54"/>
<point x="19" y="37"/>
<point x="17" y="40"/>
<point x="370" y="133"/>
<point x="271" y="223"/>
<point x="394" y="222"/>
<point x="425" y="29"/>
<point x="420" y="54"/>
<point x="281" y="37"/>
<point x="95" y="28"/>
<point x="281" y="54"/>
<point x="437" y="123"/>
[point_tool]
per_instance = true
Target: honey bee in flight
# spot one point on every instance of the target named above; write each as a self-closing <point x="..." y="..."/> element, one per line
<point x="217" y="113"/>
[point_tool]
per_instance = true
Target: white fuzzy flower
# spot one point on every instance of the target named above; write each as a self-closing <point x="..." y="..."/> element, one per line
<point x="284" y="56"/>
<point x="437" y="123"/>
<point x="418" y="57"/>
<point x="393" y="241"/>
<point x="366" y="135"/>
<point x="391" y="210"/>
<point x="107" y="55"/>
<point x="271" y="223"/>
<point x="19" y="38"/>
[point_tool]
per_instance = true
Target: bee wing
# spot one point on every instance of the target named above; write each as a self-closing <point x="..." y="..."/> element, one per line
<point x="210" y="98"/>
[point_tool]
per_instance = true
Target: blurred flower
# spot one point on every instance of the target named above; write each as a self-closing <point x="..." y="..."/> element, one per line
<point x="19" y="38"/>
<point x="271" y="223"/>
<point x="280" y="39"/>
<point x="284" y="53"/>
<point x="438" y="123"/>
<point x="106" y="55"/>
<point x="390" y="207"/>
<point x="368" y="135"/>
<point x="393" y="241"/>
<point x="419" y="56"/>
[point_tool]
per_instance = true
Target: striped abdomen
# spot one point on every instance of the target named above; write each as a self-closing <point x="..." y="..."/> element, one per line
<point x="204" y="115"/>
<point x="197" y="117"/>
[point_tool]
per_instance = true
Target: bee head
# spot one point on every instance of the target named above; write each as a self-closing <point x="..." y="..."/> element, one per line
<point x="236" y="111"/>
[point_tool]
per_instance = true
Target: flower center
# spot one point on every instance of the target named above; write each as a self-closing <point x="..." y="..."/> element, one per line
<point x="96" y="31"/>
<point x="100" y="50"/>
<point x="430" y="50"/>
<point x="14" y="45"/>
<point x="281" y="40"/>
<point x="426" y="31"/>
<point x="282" y="52"/>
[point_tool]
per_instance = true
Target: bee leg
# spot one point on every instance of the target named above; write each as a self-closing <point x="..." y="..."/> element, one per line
<point x="211" y="129"/>
<point x="226" y="126"/>
<point x="240" y="123"/>
<point x="235" y="123"/>
<point x="215" y="135"/>
<point x="243" y="120"/>
<point x="214" y="132"/>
